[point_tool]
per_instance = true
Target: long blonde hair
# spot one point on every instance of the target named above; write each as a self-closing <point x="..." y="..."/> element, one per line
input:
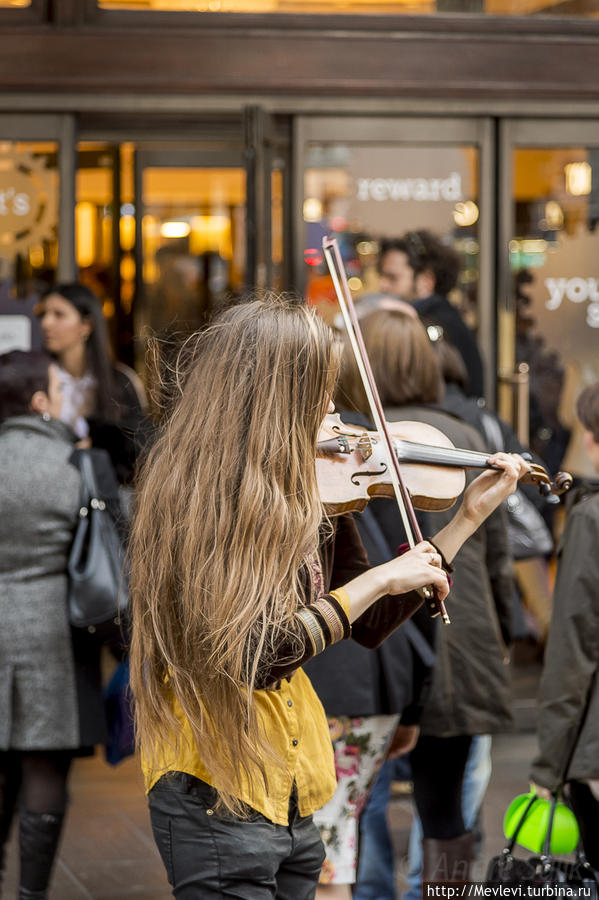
<point x="227" y="515"/>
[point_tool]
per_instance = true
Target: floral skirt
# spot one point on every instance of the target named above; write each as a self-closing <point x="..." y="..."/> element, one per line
<point x="360" y="747"/>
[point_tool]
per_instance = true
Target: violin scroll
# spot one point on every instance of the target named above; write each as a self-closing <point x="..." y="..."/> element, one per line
<point x="546" y="485"/>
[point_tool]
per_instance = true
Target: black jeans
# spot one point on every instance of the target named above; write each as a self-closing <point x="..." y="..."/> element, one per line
<point x="437" y="773"/>
<point x="210" y="855"/>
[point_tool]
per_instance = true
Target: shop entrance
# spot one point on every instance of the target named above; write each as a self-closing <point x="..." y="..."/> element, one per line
<point x="190" y="237"/>
<point x="162" y="221"/>
<point x="164" y="227"/>
<point x="519" y="204"/>
<point x="168" y="230"/>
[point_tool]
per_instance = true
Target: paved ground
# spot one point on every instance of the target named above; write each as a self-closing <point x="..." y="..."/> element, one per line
<point x="108" y="852"/>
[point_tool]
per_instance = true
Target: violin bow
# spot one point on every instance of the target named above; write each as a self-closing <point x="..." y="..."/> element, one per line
<point x="332" y="255"/>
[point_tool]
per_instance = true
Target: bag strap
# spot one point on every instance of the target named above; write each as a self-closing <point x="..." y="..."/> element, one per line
<point x="546" y="854"/>
<point x="417" y="641"/>
<point x="89" y="486"/>
<point x="512" y="842"/>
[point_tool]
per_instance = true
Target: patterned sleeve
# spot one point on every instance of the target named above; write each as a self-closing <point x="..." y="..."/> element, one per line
<point x="314" y="628"/>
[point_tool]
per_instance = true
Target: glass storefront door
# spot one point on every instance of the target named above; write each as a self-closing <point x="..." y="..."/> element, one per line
<point x="168" y="230"/>
<point x="365" y="180"/>
<point x="34" y="238"/>
<point x="191" y="230"/>
<point x="549" y="285"/>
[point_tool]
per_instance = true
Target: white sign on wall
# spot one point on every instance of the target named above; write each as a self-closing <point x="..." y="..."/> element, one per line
<point x="419" y="189"/>
<point x="576" y="290"/>
<point x="28" y="200"/>
<point x="13" y="202"/>
<point x="15" y="333"/>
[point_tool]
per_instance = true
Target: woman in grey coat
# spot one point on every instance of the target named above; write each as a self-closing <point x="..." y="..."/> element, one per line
<point x="50" y="691"/>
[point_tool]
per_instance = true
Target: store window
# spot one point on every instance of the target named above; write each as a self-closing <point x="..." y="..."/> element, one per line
<point x="193" y="245"/>
<point x="364" y="7"/>
<point x="555" y="269"/>
<point x="363" y="193"/>
<point x="160" y="243"/>
<point x="28" y="237"/>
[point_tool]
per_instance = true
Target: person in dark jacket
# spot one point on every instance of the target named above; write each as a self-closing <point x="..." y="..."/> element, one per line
<point x="568" y="727"/>
<point x="51" y="706"/>
<point x="470" y="690"/>
<point x="419" y="268"/>
<point x="529" y="512"/>
<point x="103" y="402"/>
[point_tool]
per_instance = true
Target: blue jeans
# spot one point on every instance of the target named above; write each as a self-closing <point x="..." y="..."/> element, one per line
<point x="376" y="880"/>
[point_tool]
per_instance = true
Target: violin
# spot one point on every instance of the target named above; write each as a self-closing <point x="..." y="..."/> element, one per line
<point x="380" y="452"/>
<point x="351" y="467"/>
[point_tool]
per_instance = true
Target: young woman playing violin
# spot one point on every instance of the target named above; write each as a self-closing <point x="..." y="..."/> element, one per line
<point x="237" y="580"/>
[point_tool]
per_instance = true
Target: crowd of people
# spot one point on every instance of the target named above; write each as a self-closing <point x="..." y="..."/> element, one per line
<point x="284" y="671"/>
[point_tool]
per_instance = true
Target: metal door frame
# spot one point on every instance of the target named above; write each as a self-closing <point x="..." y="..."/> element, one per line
<point x="410" y="130"/>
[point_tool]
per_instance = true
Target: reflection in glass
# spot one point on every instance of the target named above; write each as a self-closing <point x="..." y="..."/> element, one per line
<point x="378" y="7"/>
<point x="364" y="193"/>
<point x="28" y="237"/>
<point x="277" y="223"/>
<point x="96" y="182"/>
<point x="553" y="257"/>
<point x="193" y="237"/>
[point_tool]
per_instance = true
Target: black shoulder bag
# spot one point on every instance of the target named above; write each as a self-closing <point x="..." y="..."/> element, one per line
<point x="576" y="878"/>
<point x="98" y="578"/>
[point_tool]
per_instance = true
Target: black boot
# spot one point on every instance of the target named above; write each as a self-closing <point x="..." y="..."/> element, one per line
<point x="447" y="862"/>
<point x="9" y="790"/>
<point x="39" y="834"/>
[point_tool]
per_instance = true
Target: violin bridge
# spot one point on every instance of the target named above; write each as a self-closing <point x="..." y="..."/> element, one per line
<point x="364" y="446"/>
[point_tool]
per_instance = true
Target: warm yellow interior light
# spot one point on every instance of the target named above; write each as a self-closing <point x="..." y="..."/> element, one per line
<point x="175" y="229"/>
<point x="312" y="209"/>
<point x="36" y="256"/>
<point x="211" y="233"/>
<point x="127" y="232"/>
<point x="85" y="232"/>
<point x="465" y="214"/>
<point x="578" y="178"/>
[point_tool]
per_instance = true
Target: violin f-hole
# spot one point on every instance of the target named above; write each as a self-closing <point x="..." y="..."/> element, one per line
<point x="368" y="474"/>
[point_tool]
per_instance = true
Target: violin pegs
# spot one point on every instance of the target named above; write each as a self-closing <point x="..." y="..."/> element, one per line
<point x="563" y="482"/>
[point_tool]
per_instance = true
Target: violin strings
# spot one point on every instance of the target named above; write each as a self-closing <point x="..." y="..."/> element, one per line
<point x="435" y="455"/>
